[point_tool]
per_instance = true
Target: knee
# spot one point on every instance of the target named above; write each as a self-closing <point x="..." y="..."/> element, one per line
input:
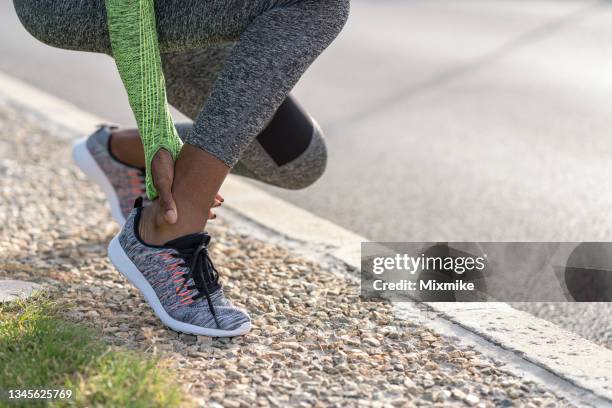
<point x="299" y="173"/>
<point x="336" y="13"/>
<point x="25" y="12"/>
<point x="73" y="26"/>
<point x="39" y="19"/>
<point x="309" y="167"/>
<point x="317" y="157"/>
<point x="325" y="18"/>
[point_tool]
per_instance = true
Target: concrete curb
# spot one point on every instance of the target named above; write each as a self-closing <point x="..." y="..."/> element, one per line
<point x="572" y="366"/>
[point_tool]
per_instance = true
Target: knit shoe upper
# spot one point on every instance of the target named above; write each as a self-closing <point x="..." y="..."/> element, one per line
<point x="184" y="279"/>
<point x="127" y="181"/>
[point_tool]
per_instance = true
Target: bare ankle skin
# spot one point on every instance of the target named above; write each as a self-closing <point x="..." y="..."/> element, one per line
<point x="197" y="179"/>
<point x="149" y="228"/>
<point x="126" y="146"/>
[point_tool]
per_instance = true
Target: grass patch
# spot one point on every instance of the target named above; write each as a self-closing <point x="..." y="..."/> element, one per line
<point x="41" y="350"/>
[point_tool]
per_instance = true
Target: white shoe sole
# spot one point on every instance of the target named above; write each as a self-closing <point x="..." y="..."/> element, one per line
<point x="127" y="268"/>
<point x="88" y="165"/>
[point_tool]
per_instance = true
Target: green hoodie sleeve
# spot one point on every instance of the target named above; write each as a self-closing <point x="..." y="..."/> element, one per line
<point x="133" y="34"/>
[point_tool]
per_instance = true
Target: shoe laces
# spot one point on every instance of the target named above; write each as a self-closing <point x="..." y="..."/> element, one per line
<point x="201" y="269"/>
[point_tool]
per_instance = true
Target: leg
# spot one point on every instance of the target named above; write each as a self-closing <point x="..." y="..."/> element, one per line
<point x="68" y="24"/>
<point x="190" y="76"/>
<point x="276" y="42"/>
<point x="289" y="153"/>
<point x="266" y="159"/>
<point x="191" y="72"/>
<point x="271" y="55"/>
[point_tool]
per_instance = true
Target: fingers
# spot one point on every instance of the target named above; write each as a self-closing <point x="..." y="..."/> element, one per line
<point x="217" y="203"/>
<point x="162" y="169"/>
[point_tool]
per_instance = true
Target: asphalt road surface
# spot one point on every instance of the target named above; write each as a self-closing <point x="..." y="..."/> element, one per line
<point x="447" y="120"/>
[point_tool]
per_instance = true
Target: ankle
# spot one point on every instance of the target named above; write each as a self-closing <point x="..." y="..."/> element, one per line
<point x="150" y="231"/>
<point x="153" y="230"/>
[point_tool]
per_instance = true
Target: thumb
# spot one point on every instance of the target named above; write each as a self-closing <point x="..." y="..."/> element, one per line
<point x="163" y="177"/>
<point x="167" y="204"/>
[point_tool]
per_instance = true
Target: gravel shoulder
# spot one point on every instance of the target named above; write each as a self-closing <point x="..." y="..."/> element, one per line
<point x="313" y="342"/>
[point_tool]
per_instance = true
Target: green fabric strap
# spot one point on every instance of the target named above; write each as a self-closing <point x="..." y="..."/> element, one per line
<point x="133" y="35"/>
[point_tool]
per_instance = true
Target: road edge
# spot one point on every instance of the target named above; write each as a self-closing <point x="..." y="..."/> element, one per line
<point x="572" y="362"/>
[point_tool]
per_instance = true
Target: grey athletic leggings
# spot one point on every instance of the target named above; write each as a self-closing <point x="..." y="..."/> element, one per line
<point x="229" y="65"/>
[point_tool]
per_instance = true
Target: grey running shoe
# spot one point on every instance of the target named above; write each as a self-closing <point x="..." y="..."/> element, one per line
<point x="121" y="183"/>
<point x="179" y="281"/>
